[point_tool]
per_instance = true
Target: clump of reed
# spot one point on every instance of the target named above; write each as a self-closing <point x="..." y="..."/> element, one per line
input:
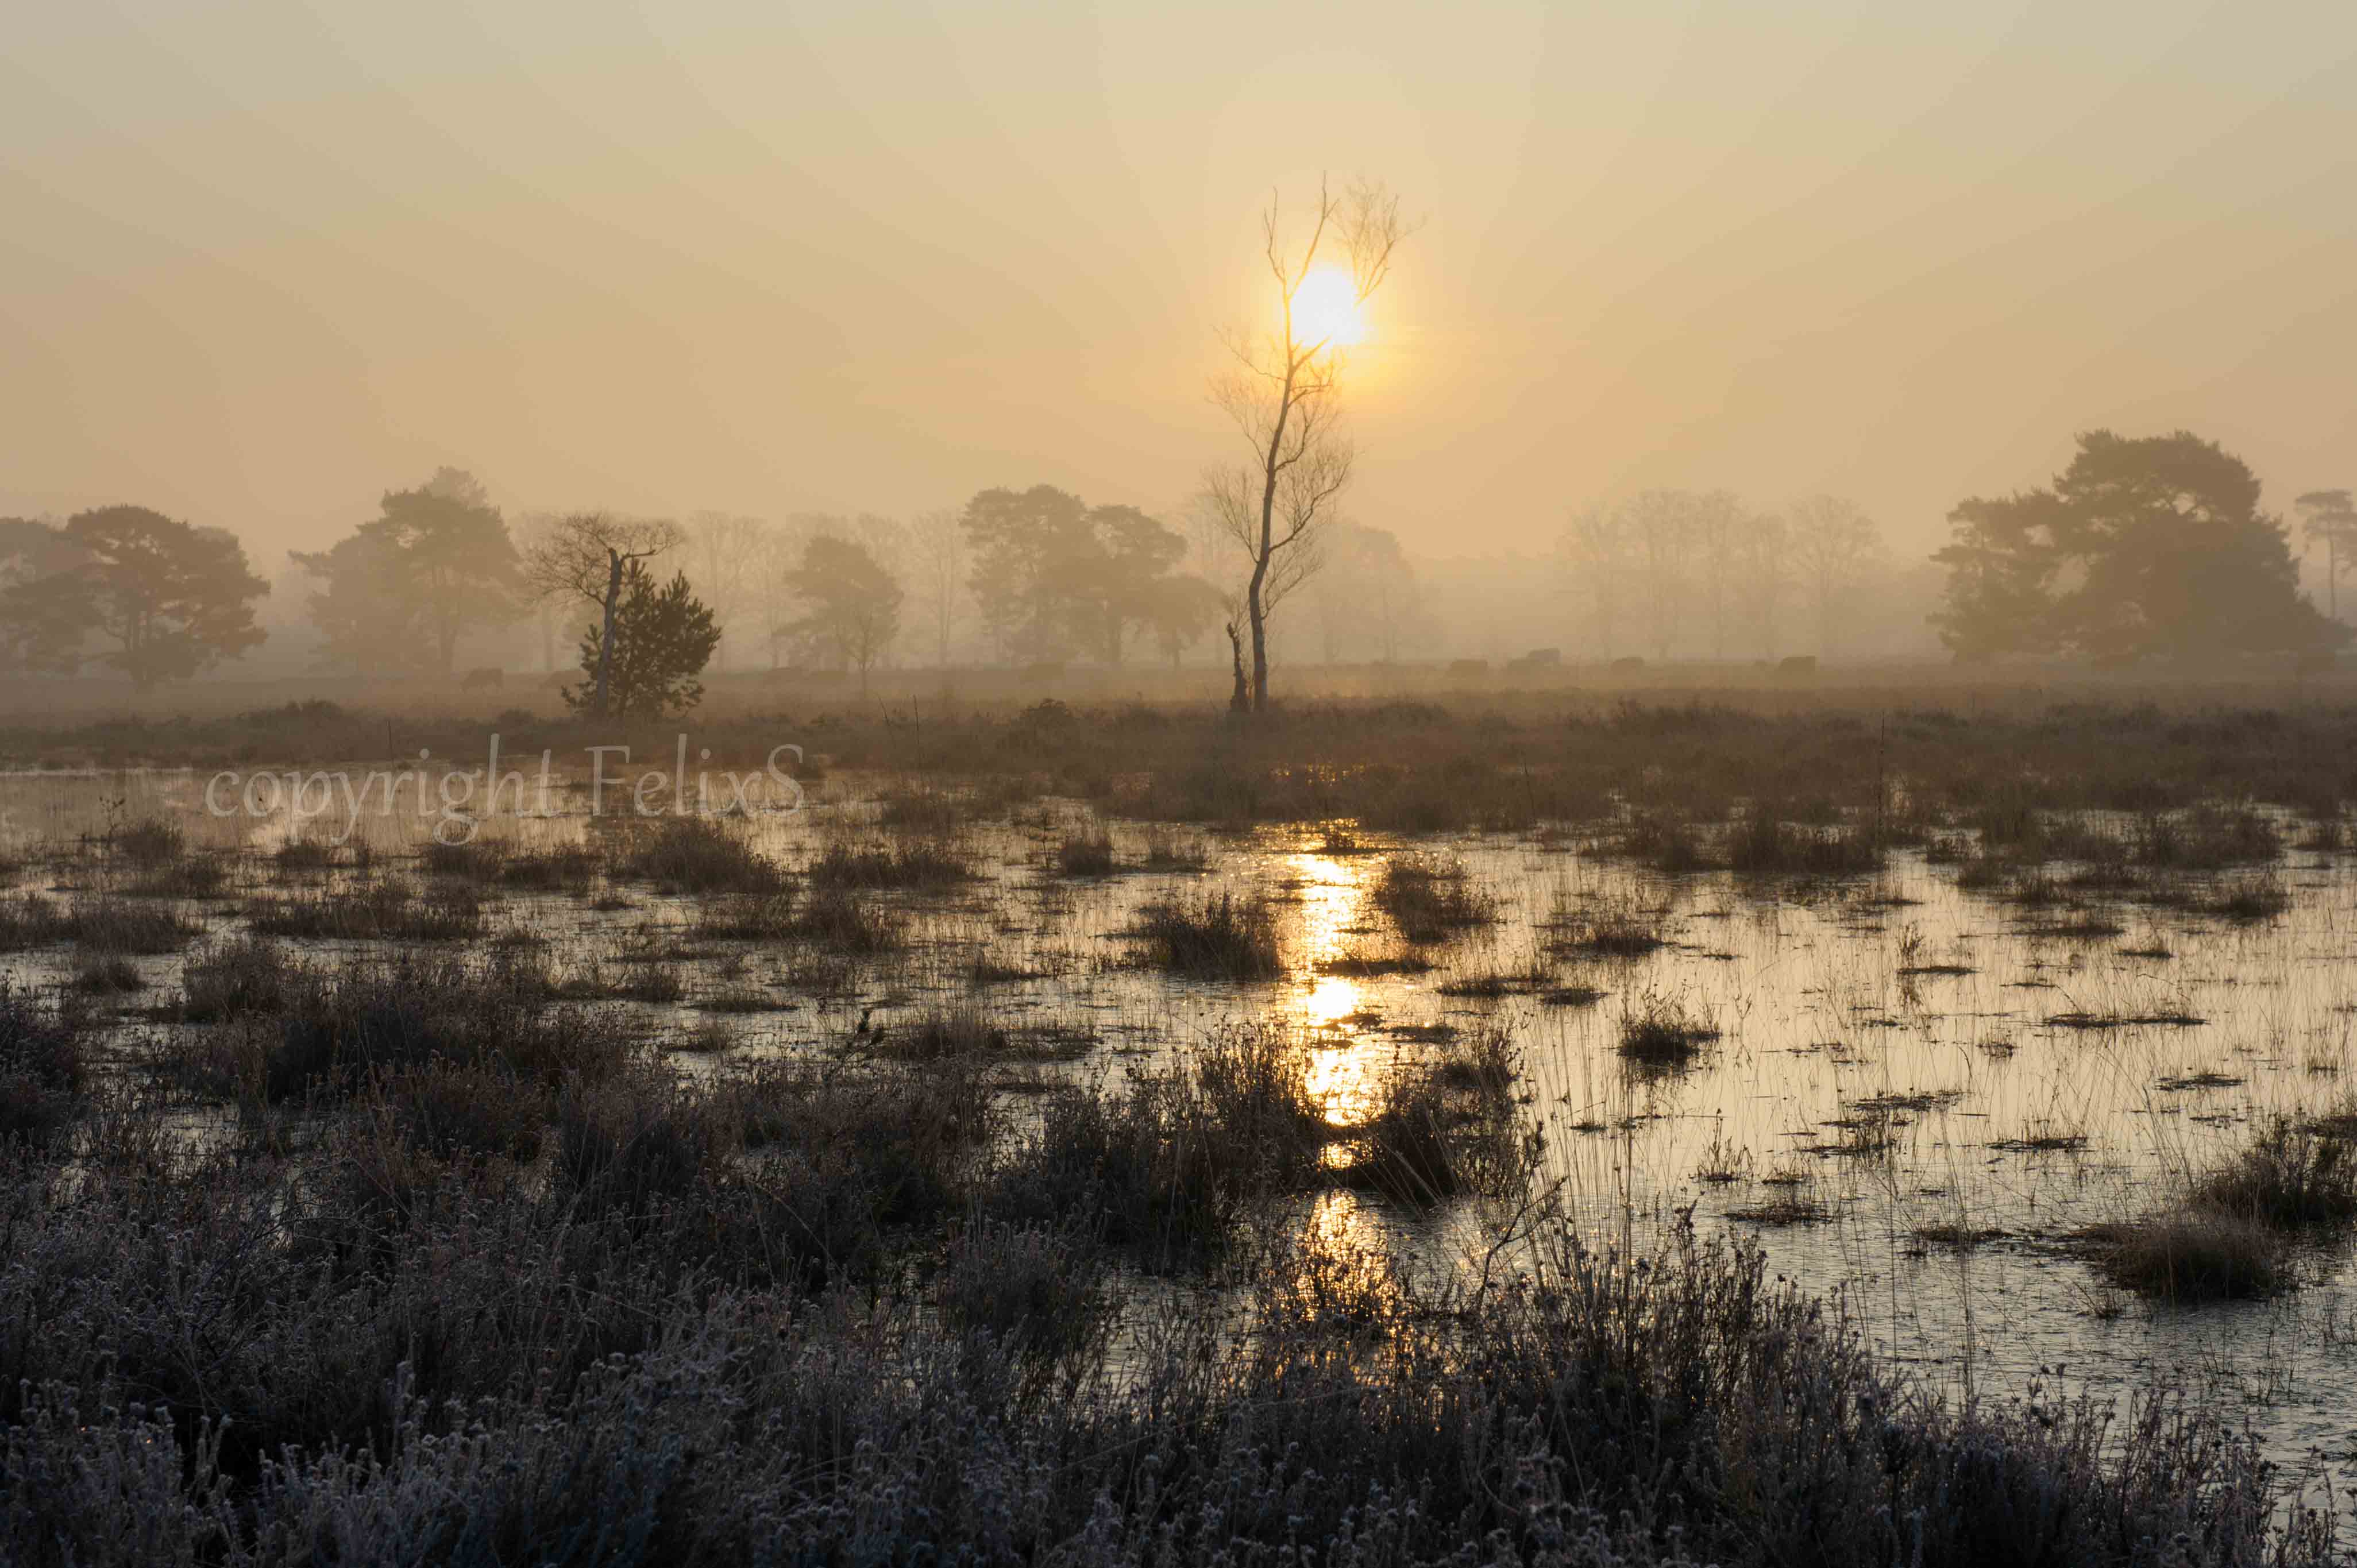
<point x="1761" y="843"/>
<point x="700" y="854"/>
<point x="1658" y="1033"/>
<point x="182" y="876"/>
<point x="99" y="925"/>
<point x="149" y="842"/>
<point x="931" y="813"/>
<point x="43" y="1066"/>
<point x="286" y="1031"/>
<point x="389" y="910"/>
<point x="1610" y="926"/>
<point x="1088" y="852"/>
<point x="1431" y="900"/>
<point x="1212" y="936"/>
<point x="839" y="918"/>
<point x="916" y="864"/>
<point x="2227" y="1235"/>
<point x="236" y="978"/>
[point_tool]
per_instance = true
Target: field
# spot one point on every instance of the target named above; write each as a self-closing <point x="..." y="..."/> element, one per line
<point x="1543" y="1126"/>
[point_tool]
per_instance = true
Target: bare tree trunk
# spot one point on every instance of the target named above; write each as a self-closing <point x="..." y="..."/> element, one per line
<point x="1241" y="700"/>
<point x="605" y="640"/>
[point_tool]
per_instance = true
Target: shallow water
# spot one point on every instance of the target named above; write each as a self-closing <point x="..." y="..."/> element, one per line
<point x="1880" y="1104"/>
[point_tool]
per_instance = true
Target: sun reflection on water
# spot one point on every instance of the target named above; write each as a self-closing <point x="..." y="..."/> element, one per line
<point x="1343" y="1071"/>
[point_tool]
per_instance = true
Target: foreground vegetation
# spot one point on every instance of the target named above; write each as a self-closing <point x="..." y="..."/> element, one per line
<point x="466" y="1276"/>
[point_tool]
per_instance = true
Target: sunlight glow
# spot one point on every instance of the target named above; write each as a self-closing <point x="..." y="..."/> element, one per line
<point x="1326" y="309"/>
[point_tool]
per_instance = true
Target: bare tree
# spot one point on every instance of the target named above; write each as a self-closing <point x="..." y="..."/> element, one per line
<point x="724" y="562"/>
<point x="937" y="556"/>
<point x="1832" y="545"/>
<point x="1763" y="558"/>
<point x="1596" y="558"/>
<point x="2330" y="518"/>
<point x="1660" y="525"/>
<point x="1284" y="398"/>
<point x="584" y="556"/>
<point x="1716" y="528"/>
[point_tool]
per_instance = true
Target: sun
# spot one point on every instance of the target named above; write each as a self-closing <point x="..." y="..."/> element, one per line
<point x="1326" y="309"/>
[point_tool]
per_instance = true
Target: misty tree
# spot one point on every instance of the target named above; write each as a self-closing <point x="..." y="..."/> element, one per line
<point x="531" y="533"/>
<point x="1179" y="609"/>
<point x="1763" y="567"/>
<point x="1052" y="575"/>
<point x="174" y="600"/>
<point x="1366" y="598"/>
<point x="41" y="628"/>
<point x="2142" y="547"/>
<point x="938" y="563"/>
<point x="1115" y="583"/>
<point x="1660" y="527"/>
<point x="1283" y="397"/>
<point x="850" y="605"/>
<point x="1597" y="565"/>
<point x="641" y="660"/>
<point x="401" y="590"/>
<point x="724" y="557"/>
<point x="2329" y="518"/>
<point x="587" y="556"/>
<point x="1834" y="547"/>
<point x="1716" y="528"/>
<point x="1022" y="544"/>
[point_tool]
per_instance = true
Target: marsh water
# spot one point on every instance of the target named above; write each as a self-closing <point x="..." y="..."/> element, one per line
<point x="1916" y="1094"/>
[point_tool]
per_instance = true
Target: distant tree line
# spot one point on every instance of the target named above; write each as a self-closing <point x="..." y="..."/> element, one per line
<point x="2142" y="548"/>
<point x="1668" y="569"/>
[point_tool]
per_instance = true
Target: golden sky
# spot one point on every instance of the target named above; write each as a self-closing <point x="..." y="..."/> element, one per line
<point x="262" y="262"/>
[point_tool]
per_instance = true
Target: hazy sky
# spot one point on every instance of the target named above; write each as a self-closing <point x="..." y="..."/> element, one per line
<point x="262" y="262"/>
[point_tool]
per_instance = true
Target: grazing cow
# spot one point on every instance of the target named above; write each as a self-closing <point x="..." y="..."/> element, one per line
<point x="486" y="678"/>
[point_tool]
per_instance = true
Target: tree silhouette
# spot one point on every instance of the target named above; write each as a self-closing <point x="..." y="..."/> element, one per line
<point x="851" y="604"/>
<point x="43" y="617"/>
<point x="2144" y="547"/>
<point x="1597" y="565"/>
<point x="642" y="660"/>
<point x="587" y="556"/>
<point x="1179" y="609"/>
<point x="1285" y="398"/>
<point x="1022" y="544"/>
<point x="1112" y="586"/>
<point x="400" y="590"/>
<point x="2329" y="518"/>
<point x="1832" y="545"/>
<point x="1053" y="574"/>
<point x="174" y="600"/>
